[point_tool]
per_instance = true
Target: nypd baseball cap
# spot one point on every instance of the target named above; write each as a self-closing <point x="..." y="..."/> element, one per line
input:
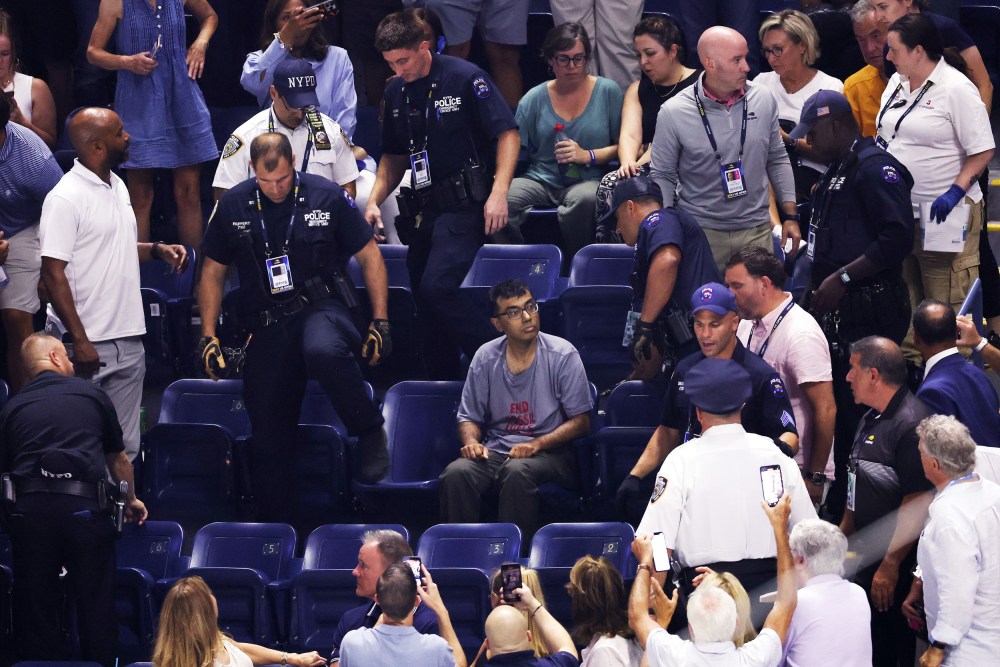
<point x="295" y="81"/>
<point x="821" y="104"/>
<point x="719" y="386"/>
<point x="713" y="297"/>
<point x="632" y="188"/>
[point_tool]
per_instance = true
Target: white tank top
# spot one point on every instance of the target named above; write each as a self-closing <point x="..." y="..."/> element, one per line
<point x="21" y="85"/>
<point x="237" y="658"/>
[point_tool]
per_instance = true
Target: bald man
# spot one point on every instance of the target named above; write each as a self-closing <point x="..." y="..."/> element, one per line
<point x="717" y="148"/>
<point x="508" y="639"/>
<point x="58" y="438"/>
<point x="90" y="265"/>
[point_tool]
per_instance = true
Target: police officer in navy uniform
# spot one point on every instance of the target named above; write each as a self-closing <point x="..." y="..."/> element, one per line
<point x="768" y="412"/>
<point x="672" y="257"/>
<point x="860" y="231"/>
<point x="442" y="117"/>
<point x="290" y="235"/>
<point x="59" y="438"/>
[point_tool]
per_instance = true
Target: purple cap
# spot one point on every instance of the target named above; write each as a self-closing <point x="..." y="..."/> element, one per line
<point x="821" y="104"/>
<point x="713" y="297"/>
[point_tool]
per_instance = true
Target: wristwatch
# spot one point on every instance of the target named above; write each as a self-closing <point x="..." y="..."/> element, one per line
<point x="817" y="478"/>
<point x="844" y="278"/>
<point x="644" y="566"/>
<point x="939" y="645"/>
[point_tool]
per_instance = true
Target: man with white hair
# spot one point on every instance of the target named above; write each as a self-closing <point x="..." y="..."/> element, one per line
<point x="719" y="141"/>
<point x="832" y="617"/>
<point x="957" y="553"/>
<point x="508" y="639"/>
<point x="711" y="613"/>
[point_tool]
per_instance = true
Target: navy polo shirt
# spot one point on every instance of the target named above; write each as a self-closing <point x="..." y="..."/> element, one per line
<point x="768" y="412"/>
<point x="464" y="114"/>
<point x="671" y="226"/>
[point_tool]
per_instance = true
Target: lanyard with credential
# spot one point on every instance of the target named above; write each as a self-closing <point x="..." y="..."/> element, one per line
<point x="906" y="113"/>
<point x="708" y="127"/>
<point x="428" y="103"/>
<point x="767" y="341"/>
<point x="291" y="222"/>
<point x="963" y="478"/>
<point x="309" y="140"/>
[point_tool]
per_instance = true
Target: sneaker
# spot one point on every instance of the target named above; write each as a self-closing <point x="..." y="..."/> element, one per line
<point x="374" y="456"/>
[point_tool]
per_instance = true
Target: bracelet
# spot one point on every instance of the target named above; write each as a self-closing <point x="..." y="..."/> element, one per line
<point x="646" y="567"/>
<point x="277" y="38"/>
<point x="983" y="342"/>
<point x="593" y="158"/>
<point x="284" y="658"/>
<point x="790" y="216"/>
<point x="536" y="611"/>
<point x="154" y="251"/>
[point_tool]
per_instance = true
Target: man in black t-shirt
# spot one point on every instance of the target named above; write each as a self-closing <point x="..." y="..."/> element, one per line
<point x="887" y="493"/>
<point x="58" y="439"/>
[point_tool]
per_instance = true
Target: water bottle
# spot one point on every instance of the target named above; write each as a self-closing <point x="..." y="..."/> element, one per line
<point x="570" y="172"/>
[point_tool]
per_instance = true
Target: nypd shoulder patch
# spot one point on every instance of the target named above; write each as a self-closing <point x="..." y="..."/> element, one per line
<point x="658" y="488"/>
<point x="481" y="87"/>
<point x="777" y="388"/>
<point x="890" y="174"/>
<point x="232" y="147"/>
<point x="652" y="219"/>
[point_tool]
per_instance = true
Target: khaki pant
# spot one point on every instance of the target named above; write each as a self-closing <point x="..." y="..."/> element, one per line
<point x="725" y="243"/>
<point x="945" y="276"/>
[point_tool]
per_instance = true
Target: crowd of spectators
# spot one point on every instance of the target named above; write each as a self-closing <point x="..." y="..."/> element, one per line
<point x="803" y="439"/>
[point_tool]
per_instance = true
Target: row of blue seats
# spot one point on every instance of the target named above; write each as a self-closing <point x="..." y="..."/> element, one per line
<point x="193" y="467"/>
<point x="268" y="596"/>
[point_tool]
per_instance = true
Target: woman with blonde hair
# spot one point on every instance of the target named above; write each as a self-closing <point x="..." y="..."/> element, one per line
<point x="189" y="636"/>
<point x="600" y="614"/>
<point x="529" y="579"/>
<point x="730" y="585"/>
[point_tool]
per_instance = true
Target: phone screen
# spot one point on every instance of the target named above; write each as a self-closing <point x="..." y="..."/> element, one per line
<point x="510" y="578"/>
<point x="661" y="558"/>
<point x="772" y="484"/>
<point x="414" y="563"/>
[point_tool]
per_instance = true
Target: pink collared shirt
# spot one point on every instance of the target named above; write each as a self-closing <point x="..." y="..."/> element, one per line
<point x="799" y="352"/>
<point x="737" y="96"/>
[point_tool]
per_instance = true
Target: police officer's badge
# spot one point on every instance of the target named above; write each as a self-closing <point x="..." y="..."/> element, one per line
<point x="658" y="488"/>
<point x="890" y="174"/>
<point x="481" y="87"/>
<point x="232" y="147"/>
<point x="706" y="294"/>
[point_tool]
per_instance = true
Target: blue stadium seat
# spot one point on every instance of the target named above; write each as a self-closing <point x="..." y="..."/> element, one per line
<point x="616" y="449"/>
<point x="335" y="546"/>
<point x="593" y="319"/>
<point x="317" y="409"/>
<point x="188" y="474"/>
<point x="318" y="599"/>
<point x="420" y="424"/>
<point x="238" y="561"/>
<point x="394" y="257"/>
<point x="466" y="594"/>
<point x="602" y="264"/>
<point x="484" y="546"/>
<point x="562" y="544"/>
<point x="168" y="299"/>
<point x="553" y="581"/>
<point x="537" y="265"/>
<point x="144" y="555"/>
<point x="320" y="473"/>
<point x="203" y="401"/>
<point x="634" y="403"/>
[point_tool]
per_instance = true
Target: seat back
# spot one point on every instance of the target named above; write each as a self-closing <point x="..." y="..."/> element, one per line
<point x="265" y="547"/>
<point x="320" y="474"/>
<point x="152" y="547"/>
<point x="319" y="599"/>
<point x="394" y="257"/>
<point x="203" y="401"/>
<point x="602" y="264"/>
<point x="317" y="409"/>
<point x="634" y="403"/>
<point x="484" y="546"/>
<point x="593" y="319"/>
<point x="537" y="265"/>
<point x="420" y="421"/>
<point x="174" y="285"/>
<point x="335" y="546"/>
<point x="466" y="594"/>
<point x="561" y="544"/>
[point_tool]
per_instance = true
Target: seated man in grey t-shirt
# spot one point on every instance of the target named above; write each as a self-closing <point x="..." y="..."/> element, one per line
<point x="525" y="398"/>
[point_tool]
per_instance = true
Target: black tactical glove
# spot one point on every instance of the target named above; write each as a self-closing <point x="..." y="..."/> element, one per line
<point x="629" y="489"/>
<point x="212" y="357"/>
<point x="645" y="336"/>
<point x="378" y="343"/>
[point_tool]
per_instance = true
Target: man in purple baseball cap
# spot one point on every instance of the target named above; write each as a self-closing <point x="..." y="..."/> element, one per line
<point x="768" y="411"/>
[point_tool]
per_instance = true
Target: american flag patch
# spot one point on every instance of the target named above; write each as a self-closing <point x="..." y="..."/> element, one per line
<point x="822" y="111"/>
<point x="787" y="419"/>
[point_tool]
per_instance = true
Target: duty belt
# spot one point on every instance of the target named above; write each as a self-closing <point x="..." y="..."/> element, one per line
<point x="285" y="309"/>
<point x="88" y="490"/>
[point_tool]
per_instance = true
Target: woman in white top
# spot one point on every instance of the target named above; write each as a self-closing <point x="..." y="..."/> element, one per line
<point x="934" y="121"/>
<point x="600" y="615"/>
<point x="188" y="635"/>
<point x="31" y="101"/>
<point x="790" y="45"/>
